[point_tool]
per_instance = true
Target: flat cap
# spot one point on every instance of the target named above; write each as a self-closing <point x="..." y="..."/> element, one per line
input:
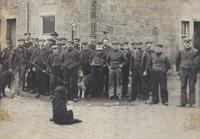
<point x="21" y="39"/>
<point x="84" y="43"/>
<point x="159" y="45"/>
<point x="187" y="39"/>
<point x="54" y="46"/>
<point x="27" y="33"/>
<point x="54" y="34"/>
<point x="78" y="39"/>
<point x="41" y="39"/>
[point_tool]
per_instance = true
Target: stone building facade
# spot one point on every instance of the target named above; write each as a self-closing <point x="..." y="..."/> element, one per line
<point x="160" y="21"/>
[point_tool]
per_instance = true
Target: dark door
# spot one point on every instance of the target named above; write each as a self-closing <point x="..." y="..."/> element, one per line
<point x="197" y="35"/>
<point x="11" y="32"/>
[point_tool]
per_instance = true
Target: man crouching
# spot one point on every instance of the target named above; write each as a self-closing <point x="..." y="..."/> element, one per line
<point x="61" y="115"/>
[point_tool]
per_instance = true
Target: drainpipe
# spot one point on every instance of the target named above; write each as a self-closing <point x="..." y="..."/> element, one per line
<point x="93" y="17"/>
<point x="27" y="27"/>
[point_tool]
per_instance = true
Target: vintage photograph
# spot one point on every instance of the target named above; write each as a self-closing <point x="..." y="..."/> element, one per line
<point x="99" y="69"/>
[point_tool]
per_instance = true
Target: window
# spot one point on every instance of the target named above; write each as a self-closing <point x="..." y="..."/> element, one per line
<point x="48" y="24"/>
<point x="185" y="29"/>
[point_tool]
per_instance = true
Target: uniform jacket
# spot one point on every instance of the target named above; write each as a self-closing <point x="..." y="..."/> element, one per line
<point x="40" y="56"/>
<point x="98" y="58"/>
<point x="71" y="59"/>
<point x="185" y="59"/>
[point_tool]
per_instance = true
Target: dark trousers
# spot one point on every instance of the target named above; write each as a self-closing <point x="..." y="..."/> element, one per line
<point x="71" y="77"/>
<point x="32" y="80"/>
<point x="125" y="81"/>
<point x="139" y="86"/>
<point x="106" y="80"/>
<point x="97" y="80"/>
<point x="188" y="76"/>
<point x="41" y="80"/>
<point x="55" y="78"/>
<point x="159" y="79"/>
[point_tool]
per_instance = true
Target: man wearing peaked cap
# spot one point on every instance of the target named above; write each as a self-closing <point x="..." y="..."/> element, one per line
<point x="86" y="68"/>
<point x="28" y="42"/>
<point x="54" y="35"/>
<point x="185" y="64"/>
<point x="159" y="65"/>
<point x="77" y="43"/>
<point x="70" y="62"/>
<point x="115" y="61"/>
<point x="54" y="67"/>
<point x="98" y="61"/>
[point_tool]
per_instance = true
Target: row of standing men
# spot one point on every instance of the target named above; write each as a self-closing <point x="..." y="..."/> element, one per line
<point x="104" y="70"/>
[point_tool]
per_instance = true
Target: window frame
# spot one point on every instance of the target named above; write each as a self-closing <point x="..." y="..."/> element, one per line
<point x="185" y="28"/>
<point x="42" y="20"/>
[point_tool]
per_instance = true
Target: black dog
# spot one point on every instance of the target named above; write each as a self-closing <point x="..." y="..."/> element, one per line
<point x="5" y="79"/>
<point x="60" y="113"/>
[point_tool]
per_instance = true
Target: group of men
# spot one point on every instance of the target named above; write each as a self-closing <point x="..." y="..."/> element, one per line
<point x="105" y="70"/>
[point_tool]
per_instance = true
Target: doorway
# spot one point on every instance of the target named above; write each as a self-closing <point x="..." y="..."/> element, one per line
<point x="197" y="35"/>
<point x="11" y="32"/>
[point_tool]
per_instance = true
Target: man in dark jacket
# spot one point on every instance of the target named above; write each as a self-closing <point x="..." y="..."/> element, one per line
<point x="184" y="64"/>
<point x="86" y="68"/>
<point x="106" y="49"/>
<point x="53" y="67"/>
<point x="32" y="76"/>
<point x="98" y="61"/>
<point x="125" y="69"/>
<point x="38" y="60"/>
<point x="115" y="61"/>
<point x="77" y="44"/>
<point x="138" y="68"/>
<point x="159" y="64"/>
<point x="70" y="61"/>
<point x="28" y="43"/>
<point x="19" y="62"/>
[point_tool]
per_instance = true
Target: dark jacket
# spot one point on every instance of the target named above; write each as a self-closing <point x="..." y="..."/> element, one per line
<point x="115" y="58"/>
<point x="139" y="61"/>
<point x="53" y="60"/>
<point x="71" y="59"/>
<point x="85" y="61"/>
<point x="98" y="58"/>
<point x="159" y="62"/>
<point x="40" y="56"/>
<point x="185" y="58"/>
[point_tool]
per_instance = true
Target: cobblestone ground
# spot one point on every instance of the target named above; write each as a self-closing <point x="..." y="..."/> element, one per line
<point x="102" y="119"/>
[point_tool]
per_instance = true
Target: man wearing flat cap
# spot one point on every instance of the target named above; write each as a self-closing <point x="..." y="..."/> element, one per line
<point x="92" y="42"/>
<point x="28" y="43"/>
<point x="98" y="61"/>
<point x="184" y="64"/>
<point x="86" y="67"/>
<point x="125" y="69"/>
<point x="38" y="60"/>
<point x="53" y="67"/>
<point x="19" y="62"/>
<point x="115" y="61"/>
<point x="107" y="49"/>
<point x="32" y="77"/>
<point x="70" y="62"/>
<point x="138" y="68"/>
<point x="77" y="43"/>
<point x="159" y="65"/>
<point x="54" y="35"/>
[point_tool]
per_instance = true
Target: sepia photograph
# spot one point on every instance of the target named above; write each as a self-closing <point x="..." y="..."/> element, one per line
<point x="99" y="69"/>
